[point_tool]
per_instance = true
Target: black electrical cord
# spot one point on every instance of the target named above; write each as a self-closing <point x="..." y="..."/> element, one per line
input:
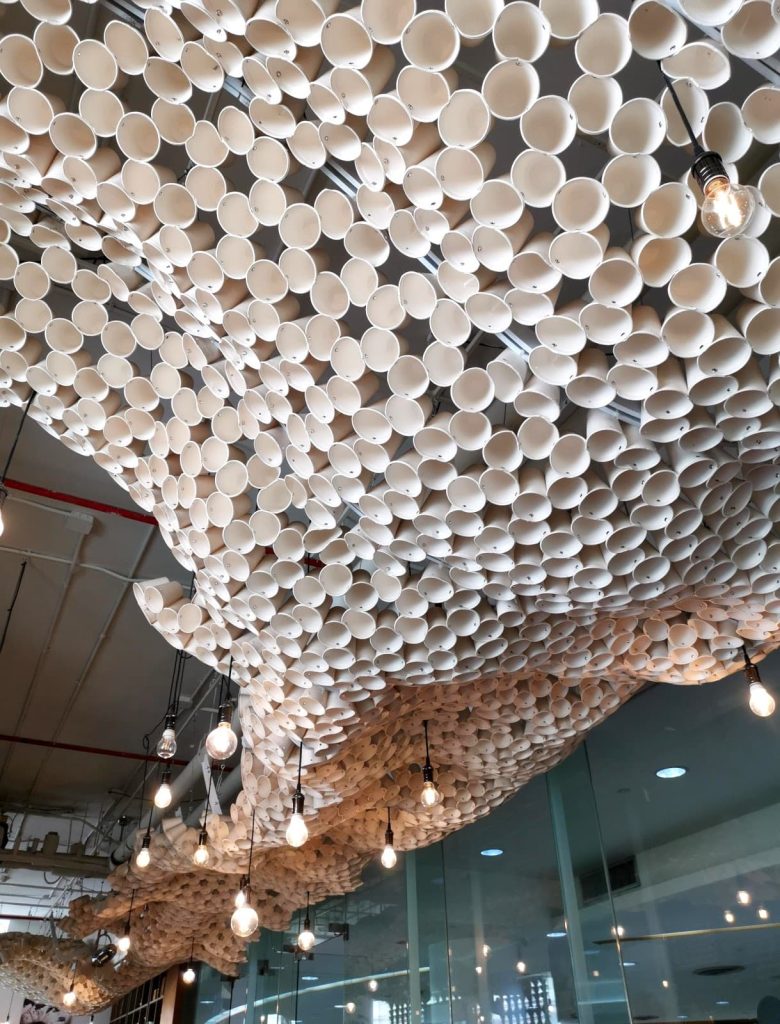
<point x="7" y="466"/>
<point x="15" y="595"/>
<point x="697" y="149"/>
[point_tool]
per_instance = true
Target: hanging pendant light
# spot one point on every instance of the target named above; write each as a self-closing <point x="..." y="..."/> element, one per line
<point x="761" y="702"/>
<point x="123" y="942"/>
<point x="4" y="474"/>
<point x="297" y="833"/>
<point x="144" y="856"/>
<point x="306" y="937"/>
<point x="222" y="742"/>
<point x="163" y="796"/>
<point x="201" y="855"/>
<point x="728" y="206"/>
<point x="69" y="999"/>
<point x="166" y="745"/>
<point x="188" y="974"/>
<point x="430" y="795"/>
<point x="389" y="858"/>
<point x="244" y="920"/>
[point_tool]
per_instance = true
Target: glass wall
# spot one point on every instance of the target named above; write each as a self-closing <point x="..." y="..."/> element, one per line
<point x="603" y="893"/>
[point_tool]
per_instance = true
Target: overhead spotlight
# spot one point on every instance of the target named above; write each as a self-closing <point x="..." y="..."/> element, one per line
<point x="297" y="833"/>
<point x="761" y="702"/>
<point x="103" y="954"/>
<point x="388" y="858"/>
<point x="430" y="795"/>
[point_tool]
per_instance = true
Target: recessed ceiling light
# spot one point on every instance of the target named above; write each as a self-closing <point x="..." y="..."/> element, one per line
<point x="721" y="1002"/>
<point x="556" y="935"/>
<point x="310" y="977"/>
<point x="491" y="852"/>
<point x="629" y="963"/>
<point x="675" y="771"/>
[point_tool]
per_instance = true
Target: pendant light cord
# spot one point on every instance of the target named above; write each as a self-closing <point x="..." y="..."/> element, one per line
<point x="300" y="764"/>
<point x="427" y="751"/>
<point x="143" y="789"/>
<point x="251" y="849"/>
<point x="7" y="466"/>
<point x="697" y="148"/>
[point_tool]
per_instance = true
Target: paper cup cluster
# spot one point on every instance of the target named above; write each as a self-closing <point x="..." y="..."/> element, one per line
<point x="469" y="434"/>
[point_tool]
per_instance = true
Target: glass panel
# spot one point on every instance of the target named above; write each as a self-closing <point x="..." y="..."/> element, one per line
<point x="509" y="954"/>
<point x="695" y="858"/>
<point x="589" y="916"/>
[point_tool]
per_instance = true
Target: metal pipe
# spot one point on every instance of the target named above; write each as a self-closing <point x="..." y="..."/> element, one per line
<point x="81" y="749"/>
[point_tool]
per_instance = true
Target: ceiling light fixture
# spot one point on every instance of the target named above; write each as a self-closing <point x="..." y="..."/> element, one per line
<point x="163" y="796"/>
<point x="491" y="852"/>
<point x="373" y="985"/>
<point x="188" y="974"/>
<point x="556" y="935"/>
<point x="201" y="855"/>
<point x="306" y="937"/>
<point x="244" y="920"/>
<point x="673" y="772"/>
<point x="430" y="795"/>
<point x="763" y="913"/>
<point x="166" y="745"/>
<point x="222" y="742"/>
<point x="728" y="916"/>
<point x="743" y="897"/>
<point x="297" y="833"/>
<point x="123" y="943"/>
<point x="4" y="474"/>
<point x="389" y="858"/>
<point x="727" y="206"/>
<point x="761" y="702"/>
<point x="521" y="967"/>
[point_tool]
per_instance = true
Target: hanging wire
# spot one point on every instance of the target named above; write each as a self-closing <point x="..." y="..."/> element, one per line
<point x="7" y="466"/>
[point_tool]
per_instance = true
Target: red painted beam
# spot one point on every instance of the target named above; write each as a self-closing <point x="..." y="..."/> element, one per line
<point x="79" y="749"/>
<point x="74" y="499"/>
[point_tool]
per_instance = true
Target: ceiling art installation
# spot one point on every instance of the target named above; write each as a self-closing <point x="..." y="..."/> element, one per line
<point x="403" y="322"/>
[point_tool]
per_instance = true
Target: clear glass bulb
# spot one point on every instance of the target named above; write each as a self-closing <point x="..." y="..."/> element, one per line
<point x="297" y="833"/>
<point x="201" y="855"/>
<point x="373" y="985"/>
<point x="221" y="742"/>
<point x="244" y="921"/>
<point x="123" y="943"/>
<point x="188" y="976"/>
<point x="240" y="900"/>
<point x="144" y="858"/>
<point x="163" y="796"/>
<point x="388" y="858"/>
<point x="349" y="1007"/>
<point x="166" y="745"/>
<point x="306" y="939"/>
<point x="430" y="796"/>
<point x="69" y="999"/>
<point x="727" y="207"/>
<point x="762" y="703"/>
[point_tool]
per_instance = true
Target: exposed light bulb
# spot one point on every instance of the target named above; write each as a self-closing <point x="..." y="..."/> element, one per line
<point x="163" y="796"/>
<point x="306" y="939"/>
<point x="762" y="703"/>
<point x="521" y="967"/>
<point x="69" y="999"/>
<point x="389" y="857"/>
<point x="144" y="857"/>
<point x="728" y="916"/>
<point x="188" y="976"/>
<point x="485" y="950"/>
<point x="743" y="897"/>
<point x="349" y="1007"/>
<point x="201" y="855"/>
<point x="244" y="921"/>
<point x="373" y="985"/>
<point x="123" y="943"/>
<point x="222" y="742"/>
<point x="166" y="745"/>
<point x="727" y="207"/>
<point x="297" y="833"/>
<point x="240" y="900"/>
<point x="763" y="913"/>
<point x="430" y="796"/>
